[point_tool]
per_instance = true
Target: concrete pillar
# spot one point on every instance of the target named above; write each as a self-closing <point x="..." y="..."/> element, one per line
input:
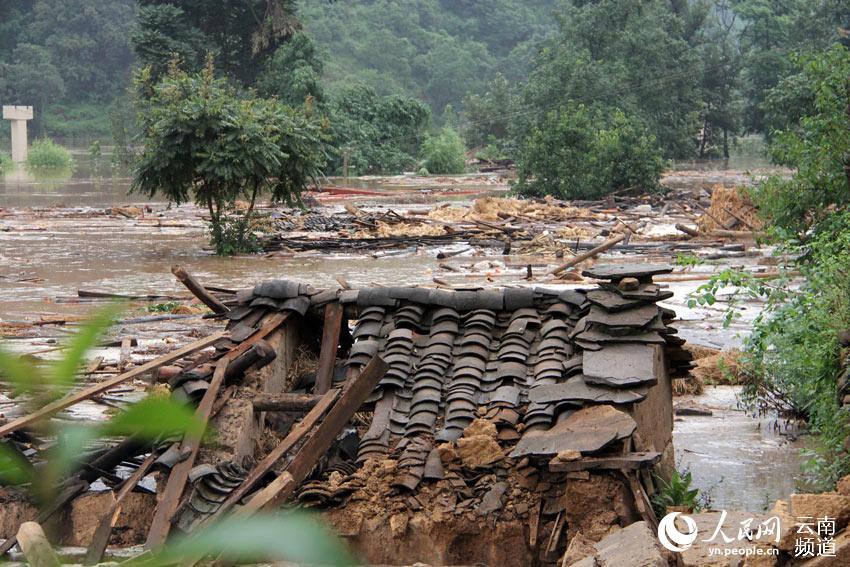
<point x="18" y="115"/>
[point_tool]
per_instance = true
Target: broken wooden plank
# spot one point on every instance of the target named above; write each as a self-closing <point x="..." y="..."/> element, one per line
<point x="630" y="461"/>
<point x="100" y="540"/>
<point x="353" y="395"/>
<point x="198" y="290"/>
<point x="687" y="230"/>
<point x="86" y="393"/>
<point x="296" y="403"/>
<point x="170" y="499"/>
<point x="642" y="502"/>
<point x="330" y="345"/>
<point x="124" y="357"/>
<point x="34" y="545"/>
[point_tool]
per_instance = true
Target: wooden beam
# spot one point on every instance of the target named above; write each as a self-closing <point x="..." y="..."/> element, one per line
<point x="297" y="403"/>
<point x="589" y="254"/>
<point x="198" y="290"/>
<point x="70" y="400"/>
<point x="629" y="461"/>
<point x="353" y="395"/>
<point x="296" y="434"/>
<point x="170" y="498"/>
<point x="330" y="344"/>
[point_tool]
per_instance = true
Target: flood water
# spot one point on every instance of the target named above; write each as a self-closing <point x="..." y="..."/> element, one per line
<point x="742" y="463"/>
<point x="739" y="461"/>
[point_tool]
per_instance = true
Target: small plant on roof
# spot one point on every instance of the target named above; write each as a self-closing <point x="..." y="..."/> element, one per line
<point x="204" y="141"/>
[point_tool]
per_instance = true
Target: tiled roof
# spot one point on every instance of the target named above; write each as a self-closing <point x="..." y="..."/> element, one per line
<point x="528" y="359"/>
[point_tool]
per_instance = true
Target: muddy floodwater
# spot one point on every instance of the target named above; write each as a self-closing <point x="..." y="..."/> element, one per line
<point x="56" y="239"/>
<point x="741" y="462"/>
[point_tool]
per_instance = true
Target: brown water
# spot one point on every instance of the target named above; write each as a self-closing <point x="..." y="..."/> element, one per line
<point x="740" y="461"/>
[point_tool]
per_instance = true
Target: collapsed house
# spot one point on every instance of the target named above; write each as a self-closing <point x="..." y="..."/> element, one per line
<point x="499" y="425"/>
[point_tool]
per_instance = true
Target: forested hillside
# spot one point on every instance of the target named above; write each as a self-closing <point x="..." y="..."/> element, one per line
<point x="664" y="78"/>
<point x="436" y="50"/>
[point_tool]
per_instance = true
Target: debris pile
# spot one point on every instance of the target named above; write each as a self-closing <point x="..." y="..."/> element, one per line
<point x="449" y="410"/>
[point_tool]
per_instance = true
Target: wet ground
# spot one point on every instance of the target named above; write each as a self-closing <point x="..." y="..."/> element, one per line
<point x="56" y="238"/>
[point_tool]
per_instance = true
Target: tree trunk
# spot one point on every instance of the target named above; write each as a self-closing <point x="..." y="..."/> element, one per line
<point x="725" y="143"/>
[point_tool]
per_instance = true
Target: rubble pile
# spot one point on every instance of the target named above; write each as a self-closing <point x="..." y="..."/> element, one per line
<point x="449" y="410"/>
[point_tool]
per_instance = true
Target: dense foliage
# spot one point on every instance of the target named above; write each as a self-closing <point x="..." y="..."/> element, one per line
<point x="815" y="141"/>
<point x="375" y="134"/>
<point x="443" y="153"/>
<point x="585" y="152"/>
<point x="241" y="36"/>
<point x="792" y="358"/>
<point x="436" y="50"/>
<point x="205" y="142"/>
<point x="58" y="55"/>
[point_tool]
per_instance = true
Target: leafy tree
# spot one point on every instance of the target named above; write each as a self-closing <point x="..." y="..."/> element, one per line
<point x="241" y="34"/>
<point x="488" y="116"/>
<point x="294" y="72"/>
<point x="771" y="31"/>
<point x="376" y="134"/>
<point x="444" y="153"/>
<point x="436" y="50"/>
<point x="817" y="145"/>
<point x="721" y="65"/>
<point x="202" y="141"/>
<point x="585" y="152"/>
<point x="88" y="43"/>
<point x="636" y="56"/>
<point x="31" y="79"/>
<point x="164" y="32"/>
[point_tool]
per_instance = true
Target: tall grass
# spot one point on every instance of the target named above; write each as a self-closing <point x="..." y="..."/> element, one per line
<point x="46" y="154"/>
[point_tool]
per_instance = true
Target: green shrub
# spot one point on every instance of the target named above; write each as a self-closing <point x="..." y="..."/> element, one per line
<point x="6" y="163"/>
<point x="47" y="154"/>
<point x="581" y="152"/>
<point x="444" y="153"/>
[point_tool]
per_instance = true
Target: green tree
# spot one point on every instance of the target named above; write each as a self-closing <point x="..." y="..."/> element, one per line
<point x="294" y="72"/>
<point x="435" y="50"/>
<point x="31" y="79"/>
<point x="771" y="30"/>
<point x="241" y="34"/>
<point x="444" y="153"/>
<point x="488" y="116"/>
<point x="202" y="141"/>
<point x="817" y="145"/>
<point x="721" y="71"/>
<point x="88" y="42"/>
<point x="636" y="56"/>
<point x="376" y="134"/>
<point x="584" y="152"/>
